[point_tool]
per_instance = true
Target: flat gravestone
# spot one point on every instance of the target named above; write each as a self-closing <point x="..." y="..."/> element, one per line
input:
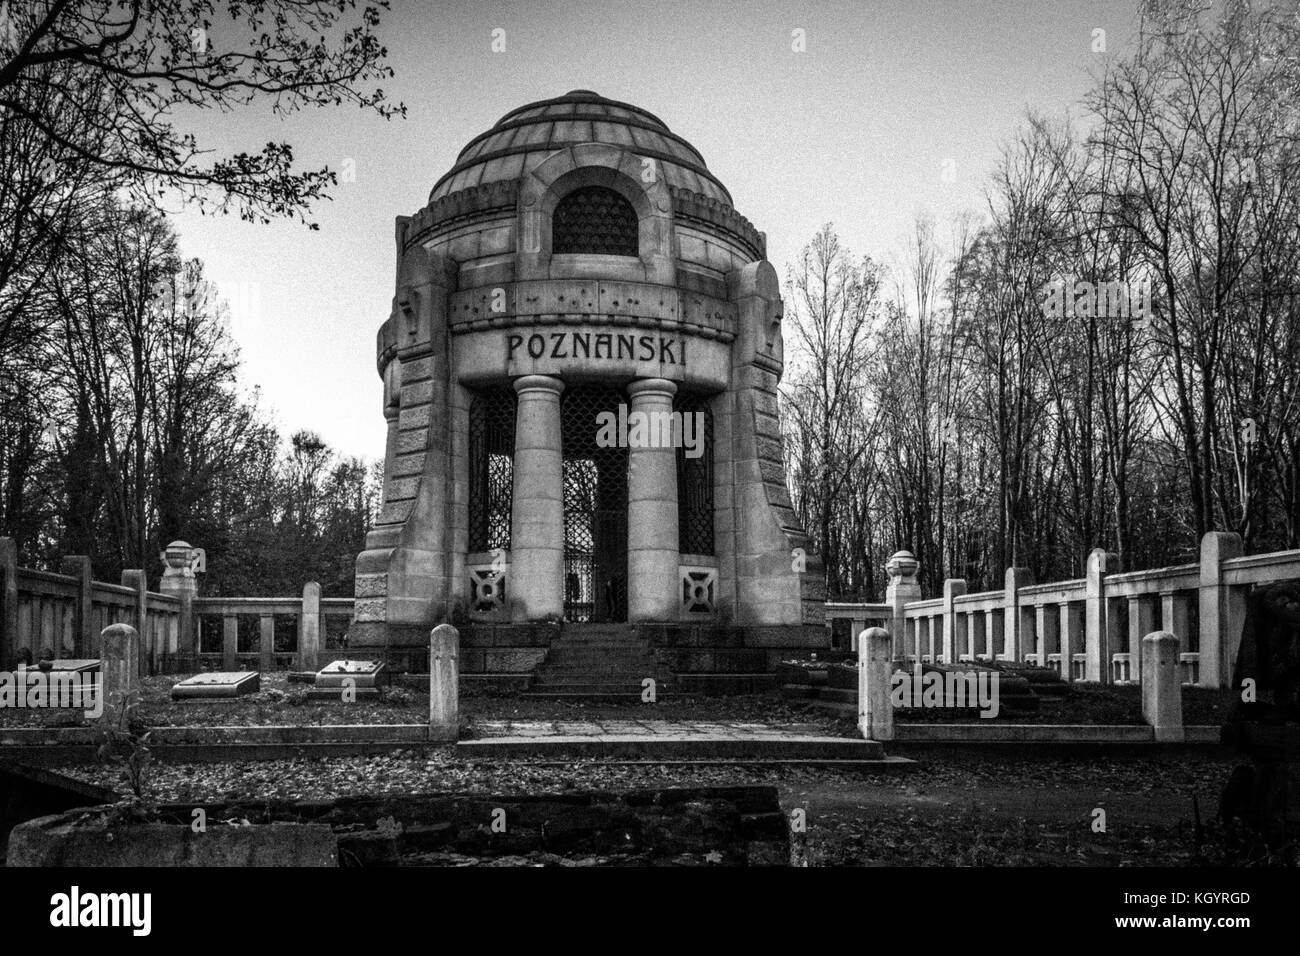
<point x="216" y="685"/>
<point x="72" y="666"/>
<point x="341" y="680"/>
<point x="361" y="673"/>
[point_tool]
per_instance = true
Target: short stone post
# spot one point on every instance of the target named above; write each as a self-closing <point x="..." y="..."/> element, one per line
<point x="444" y="688"/>
<point x="136" y="581"/>
<point x="78" y="566"/>
<point x="1162" y="691"/>
<point x="180" y="582"/>
<point x="309" y="628"/>
<point x="119" y="649"/>
<point x="902" y="588"/>
<point x="875" y="671"/>
<point x="1097" y="627"/>
<point x="954" y="624"/>
<point x="1222" y="610"/>
<point x="8" y="601"/>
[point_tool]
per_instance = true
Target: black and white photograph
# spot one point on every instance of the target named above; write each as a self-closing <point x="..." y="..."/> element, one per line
<point x="649" y="448"/>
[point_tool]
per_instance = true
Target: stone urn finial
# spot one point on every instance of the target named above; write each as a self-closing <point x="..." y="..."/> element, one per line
<point x="176" y="557"/>
<point x="902" y="568"/>
<point x="902" y="586"/>
<point x="178" y="568"/>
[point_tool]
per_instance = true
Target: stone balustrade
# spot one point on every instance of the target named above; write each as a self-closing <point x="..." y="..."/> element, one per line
<point x="1089" y="629"/>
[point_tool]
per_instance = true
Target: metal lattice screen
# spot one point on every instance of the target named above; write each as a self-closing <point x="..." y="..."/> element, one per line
<point x="595" y="509"/>
<point x="595" y="219"/>
<point x="491" y="467"/>
<point x="695" y="476"/>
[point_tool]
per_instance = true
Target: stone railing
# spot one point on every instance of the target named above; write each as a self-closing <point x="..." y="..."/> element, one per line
<point x="1089" y="629"/>
<point x="309" y="626"/>
<point x="1162" y="702"/>
<point x="63" y="615"/>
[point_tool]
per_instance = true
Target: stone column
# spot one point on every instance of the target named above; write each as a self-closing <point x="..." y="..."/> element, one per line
<point x="120" y="653"/>
<point x="1047" y="630"/>
<point x="78" y="566"/>
<point x="444" y="688"/>
<point x="1017" y="623"/>
<point x="1175" y="617"/>
<point x="652" y="555"/>
<point x="875" y="671"/>
<point x="309" y="628"/>
<point x="229" y="643"/>
<point x="1071" y="638"/>
<point x="8" y="601"/>
<point x="1162" y="700"/>
<point x="1098" y="627"/>
<point x="1141" y="621"/>
<point x="954" y="623"/>
<point x="1222" y="610"/>
<point x="135" y="579"/>
<point x="537" y="509"/>
<point x="266" y="643"/>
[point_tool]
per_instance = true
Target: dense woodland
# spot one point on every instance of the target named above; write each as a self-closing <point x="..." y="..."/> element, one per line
<point x="123" y="424"/>
<point x="941" y="405"/>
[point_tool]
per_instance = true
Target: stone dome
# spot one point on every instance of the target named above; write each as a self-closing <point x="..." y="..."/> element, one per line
<point x="525" y="137"/>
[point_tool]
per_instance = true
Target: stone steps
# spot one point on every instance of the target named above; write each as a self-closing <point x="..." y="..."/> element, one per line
<point x="597" y="662"/>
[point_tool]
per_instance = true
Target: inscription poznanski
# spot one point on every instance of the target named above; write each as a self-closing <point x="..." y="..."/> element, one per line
<point x="667" y="350"/>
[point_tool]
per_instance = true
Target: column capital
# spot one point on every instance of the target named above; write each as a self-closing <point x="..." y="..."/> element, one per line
<point x="538" y="383"/>
<point x="652" y="386"/>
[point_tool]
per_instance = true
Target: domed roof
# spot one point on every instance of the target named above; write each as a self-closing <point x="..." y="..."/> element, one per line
<point x="526" y="136"/>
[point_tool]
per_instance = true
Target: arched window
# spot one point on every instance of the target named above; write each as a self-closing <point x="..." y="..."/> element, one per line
<point x="594" y="219"/>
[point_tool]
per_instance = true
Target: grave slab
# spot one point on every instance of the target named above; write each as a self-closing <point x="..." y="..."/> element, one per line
<point x="217" y="685"/>
<point x="362" y="673"/>
<point x="71" y="666"/>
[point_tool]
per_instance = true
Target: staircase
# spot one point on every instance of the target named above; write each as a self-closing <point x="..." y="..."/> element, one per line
<point x="597" y="662"/>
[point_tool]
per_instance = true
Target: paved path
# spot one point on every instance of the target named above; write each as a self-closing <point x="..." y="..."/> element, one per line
<point x="688" y="740"/>
<point x="717" y="730"/>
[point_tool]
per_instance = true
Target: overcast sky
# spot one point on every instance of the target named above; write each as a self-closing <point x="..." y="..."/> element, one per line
<point x="855" y="130"/>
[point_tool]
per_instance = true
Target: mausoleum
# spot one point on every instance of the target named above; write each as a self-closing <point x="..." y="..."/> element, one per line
<point x="579" y="266"/>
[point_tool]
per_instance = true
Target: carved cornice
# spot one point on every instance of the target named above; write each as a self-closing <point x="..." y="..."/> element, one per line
<point x="692" y="207"/>
<point x="462" y="208"/>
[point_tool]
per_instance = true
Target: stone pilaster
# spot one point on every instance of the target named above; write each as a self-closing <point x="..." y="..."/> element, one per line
<point x="652" y="558"/>
<point x="537" y="512"/>
<point x="777" y="582"/>
<point x="402" y="584"/>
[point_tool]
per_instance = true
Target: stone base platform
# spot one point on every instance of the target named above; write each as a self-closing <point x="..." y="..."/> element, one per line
<point x="705" y="659"/>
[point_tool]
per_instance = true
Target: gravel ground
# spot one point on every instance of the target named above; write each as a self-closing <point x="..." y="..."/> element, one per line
<point x="955" y="809"/>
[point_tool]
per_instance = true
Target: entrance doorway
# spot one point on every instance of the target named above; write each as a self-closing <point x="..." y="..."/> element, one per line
<point x="595" y="509"/>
